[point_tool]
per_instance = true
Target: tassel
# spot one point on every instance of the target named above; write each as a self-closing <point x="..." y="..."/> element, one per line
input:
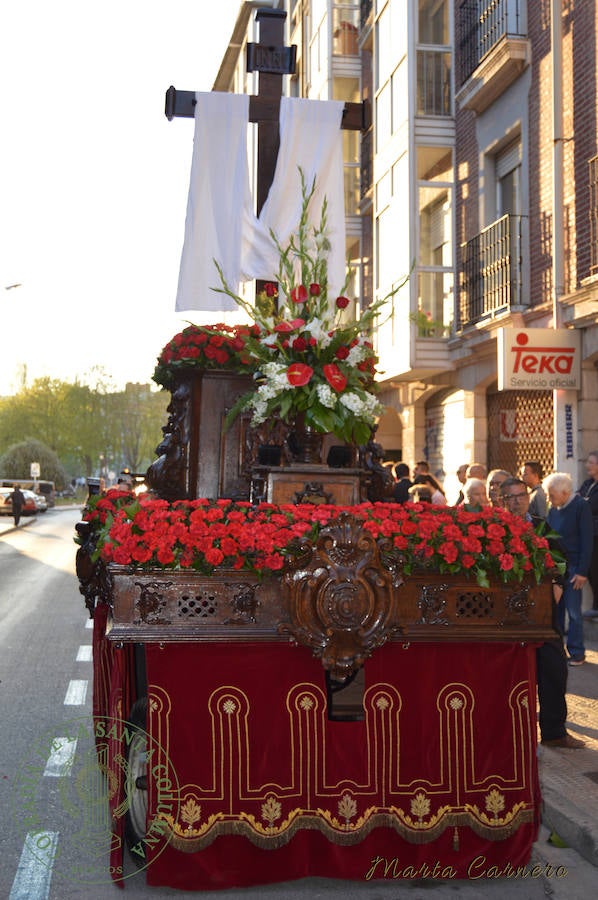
<point x="456" y="840"/>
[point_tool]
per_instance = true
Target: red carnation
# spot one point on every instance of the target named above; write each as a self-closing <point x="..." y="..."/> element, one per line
<point x="314" y="290"/>
<point x="342" y="302"/>
<point x="342" y="352"/>
<point x="270" y="289"/>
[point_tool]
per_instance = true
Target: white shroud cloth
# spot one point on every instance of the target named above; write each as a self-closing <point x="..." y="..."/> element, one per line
<point x="220" y="221"/>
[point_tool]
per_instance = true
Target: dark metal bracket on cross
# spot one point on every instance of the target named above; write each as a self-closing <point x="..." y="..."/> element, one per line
<point x="271" y="60"/>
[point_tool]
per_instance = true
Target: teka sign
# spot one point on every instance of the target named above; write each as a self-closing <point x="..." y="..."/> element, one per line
<point x="536" y="359"/>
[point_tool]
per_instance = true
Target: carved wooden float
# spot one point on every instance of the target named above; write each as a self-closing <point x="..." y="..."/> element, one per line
<point x="342" y="596"/>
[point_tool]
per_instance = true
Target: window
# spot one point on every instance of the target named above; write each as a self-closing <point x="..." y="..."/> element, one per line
<point x="434" y="314"/>
<point x="508" y="175"/>
<point x="434" y="59"/>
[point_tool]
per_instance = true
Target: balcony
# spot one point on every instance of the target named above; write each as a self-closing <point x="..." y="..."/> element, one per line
<point x="491" y="271"/>
<point x="493" y="49"/>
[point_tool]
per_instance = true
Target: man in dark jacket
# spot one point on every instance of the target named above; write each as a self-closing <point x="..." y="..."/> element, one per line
<point x="570" y="516"/>
<point x="551" y="660"/>
<point x="18" y="502"/>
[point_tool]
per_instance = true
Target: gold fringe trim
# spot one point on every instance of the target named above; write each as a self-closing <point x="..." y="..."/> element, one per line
<point x="271" y="838"/>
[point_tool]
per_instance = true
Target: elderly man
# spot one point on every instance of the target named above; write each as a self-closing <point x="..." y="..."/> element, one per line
<point x="551" y="660"/>
<point x="532" y="473"/>
<point x="570" y="516"/>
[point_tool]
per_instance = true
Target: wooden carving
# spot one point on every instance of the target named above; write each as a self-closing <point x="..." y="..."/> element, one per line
<point x="166" y="475"/>
<point x="339" y="598"/>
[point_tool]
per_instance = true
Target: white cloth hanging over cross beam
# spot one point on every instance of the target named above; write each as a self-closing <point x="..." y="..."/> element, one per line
<point x="220" y="223"/>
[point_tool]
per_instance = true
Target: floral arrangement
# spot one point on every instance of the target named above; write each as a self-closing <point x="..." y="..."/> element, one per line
<point x="206" y="536"/>
<point x="204" y="347"/>
<point x="310" y="362"/>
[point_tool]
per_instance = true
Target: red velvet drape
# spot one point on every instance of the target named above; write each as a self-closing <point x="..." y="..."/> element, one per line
<point x="256" y="785"/>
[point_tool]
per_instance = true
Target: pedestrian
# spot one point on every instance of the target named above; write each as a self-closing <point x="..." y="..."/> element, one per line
<point x="493" y="485"/>
<point x="532" y="474"/>
<point x="570" y="517"/>
<point x="437" y="495"/>
<point x="422" y="467"/>
<point x="461" y="474"/>
<point x="475" y="497"/>
<point x="18" y="502"/>
<point x="589" y="491"/>
<point x="551" y="659"/>
<point x="402" y="483"/>
<point x="477" y="470"/>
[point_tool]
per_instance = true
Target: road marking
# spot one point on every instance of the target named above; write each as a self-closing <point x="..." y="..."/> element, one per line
<point x="61" y="758"/>
<point x="75" y="693"/>
<point x="89" y="623"/>
<point x="34" y="872"/>
<point x="84" y="653"/>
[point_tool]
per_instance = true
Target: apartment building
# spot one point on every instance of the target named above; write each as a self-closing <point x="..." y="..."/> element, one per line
<point x="479" y="176"/>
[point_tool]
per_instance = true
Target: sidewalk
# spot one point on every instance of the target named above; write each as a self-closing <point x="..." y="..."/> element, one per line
<point x="568" y="778"/>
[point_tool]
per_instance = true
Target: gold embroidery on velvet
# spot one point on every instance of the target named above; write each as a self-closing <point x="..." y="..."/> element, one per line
<point x="190" y="812"/>
<point x="194" y="840"/>
<point x="495" y="803"/>
<point x="271" y="811"/>
<point x="379" y="778"/>
<point x="347" y="808"/>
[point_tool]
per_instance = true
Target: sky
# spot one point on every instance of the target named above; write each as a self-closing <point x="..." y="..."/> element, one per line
<point x="94" y="179"/>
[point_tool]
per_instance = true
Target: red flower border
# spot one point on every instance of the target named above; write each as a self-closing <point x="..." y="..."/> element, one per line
<point x="209" y="535"/>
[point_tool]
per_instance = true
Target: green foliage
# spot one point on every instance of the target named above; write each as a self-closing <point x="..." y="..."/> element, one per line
<point x="16" y="462"/>
<point x="80" y="423"/>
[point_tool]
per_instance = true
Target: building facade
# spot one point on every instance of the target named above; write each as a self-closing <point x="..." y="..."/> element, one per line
<point x="479" y="176"/>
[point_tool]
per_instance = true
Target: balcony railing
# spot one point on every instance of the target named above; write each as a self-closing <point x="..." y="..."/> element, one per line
<point x="491" y="268"/>
<point x="482" y="24"/>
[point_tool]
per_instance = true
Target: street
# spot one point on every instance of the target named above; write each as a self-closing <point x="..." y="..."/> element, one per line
<point x="45" y="687"/>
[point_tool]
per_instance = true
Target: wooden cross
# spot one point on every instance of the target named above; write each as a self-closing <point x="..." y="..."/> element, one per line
<point x="272" y="60"/>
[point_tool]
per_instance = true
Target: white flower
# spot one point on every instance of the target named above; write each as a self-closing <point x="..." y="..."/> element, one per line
<point x="260" y="411"/>
<point x="357" y="354"/>
<point x="319" y="331"/>
<point x="352" y="402"/>
<point x="366" y="407"/>
<point x="325" y="395"/>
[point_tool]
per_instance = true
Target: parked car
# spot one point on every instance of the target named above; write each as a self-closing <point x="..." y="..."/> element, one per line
<point x="41" y="502"/>
<point x="30" y="507"/>
<point x="5" y="501"/>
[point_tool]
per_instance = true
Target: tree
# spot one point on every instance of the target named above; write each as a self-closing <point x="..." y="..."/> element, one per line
<point x="88" y="426"/>
<point x="16" y="463"/>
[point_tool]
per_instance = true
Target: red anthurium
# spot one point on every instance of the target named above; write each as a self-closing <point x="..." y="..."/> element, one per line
<point x="314" y="290"/>
<point x="334" y="377"/>
<point x="286" y="326"/>
<point x="299" y="374"/>
<point x="342" y="302"/>
<point x="299" y="294"/>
